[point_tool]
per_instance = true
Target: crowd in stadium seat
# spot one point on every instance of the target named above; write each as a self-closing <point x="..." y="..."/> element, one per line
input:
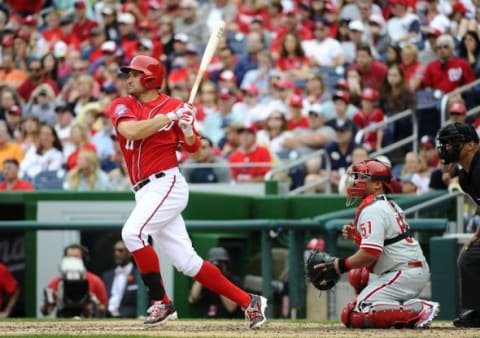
<point x="290" y="73"/>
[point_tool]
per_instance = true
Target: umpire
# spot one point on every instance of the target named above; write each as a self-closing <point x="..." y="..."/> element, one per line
<point x="458" y="144"/>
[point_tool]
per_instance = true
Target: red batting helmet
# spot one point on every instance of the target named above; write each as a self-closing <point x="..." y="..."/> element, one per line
<point x="362" y="173"/>
<point x="152" y="69"/>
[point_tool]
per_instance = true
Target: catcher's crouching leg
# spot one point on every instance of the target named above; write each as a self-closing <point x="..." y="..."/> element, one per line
<point x="381" y="315"/>
<point x="358" y="279"/>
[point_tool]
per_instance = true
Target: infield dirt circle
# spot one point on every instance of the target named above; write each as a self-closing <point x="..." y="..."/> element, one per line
<point x="214" y="328"/>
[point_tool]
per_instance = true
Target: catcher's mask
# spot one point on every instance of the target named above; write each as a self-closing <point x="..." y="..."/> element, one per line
<point x="362" y="173"/>
<point x="451" y="139"/>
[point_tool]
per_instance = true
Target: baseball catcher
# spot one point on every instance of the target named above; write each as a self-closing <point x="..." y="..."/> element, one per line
<point x="389" y="269"/>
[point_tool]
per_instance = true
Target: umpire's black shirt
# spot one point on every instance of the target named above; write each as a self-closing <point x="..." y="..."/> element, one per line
<point x="470" y="182"/>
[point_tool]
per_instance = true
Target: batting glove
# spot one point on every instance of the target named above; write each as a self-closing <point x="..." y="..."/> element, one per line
<point x="186" y="108"/>
<point x="186" y="123"/>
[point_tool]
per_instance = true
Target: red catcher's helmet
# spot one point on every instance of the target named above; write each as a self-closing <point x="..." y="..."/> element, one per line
<point x="362" y="173"/>
<point x="152" y="69"/>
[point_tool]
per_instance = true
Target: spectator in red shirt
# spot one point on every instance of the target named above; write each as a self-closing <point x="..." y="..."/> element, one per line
<point x="250" y="153"/>
<point x="367" y="116"/>
<point x="96" y="286"/>
<point x="292" y="59"/>
<point x="9" y="286"/>
<point x="296" y="120"/>
<point x="448" y="72"/>
<point x="83" y="25"/>
<point x="12" y="182"/>
<point x="371" y="71"/>
<point x="36" y="77"/>
<point x="80" y="138"/>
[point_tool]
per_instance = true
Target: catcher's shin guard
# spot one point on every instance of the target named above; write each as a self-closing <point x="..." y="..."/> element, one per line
<point x="358" y="279"/>
<point x="381" y="315"/>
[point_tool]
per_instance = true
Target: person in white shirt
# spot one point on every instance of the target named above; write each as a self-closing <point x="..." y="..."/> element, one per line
<point x="403" y="27"/>
<point x="121" y="284"/>
<point x="46" y="156"/>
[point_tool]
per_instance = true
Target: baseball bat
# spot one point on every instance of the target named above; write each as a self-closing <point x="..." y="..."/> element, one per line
<point x="210" y="49"/>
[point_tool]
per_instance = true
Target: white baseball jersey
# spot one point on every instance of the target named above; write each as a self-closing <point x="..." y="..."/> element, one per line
<point x="382" y="220"/>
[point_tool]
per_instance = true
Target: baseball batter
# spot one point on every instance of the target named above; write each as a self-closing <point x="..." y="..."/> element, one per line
<point x="389" y="269"/>
<point x="150" y="126"/>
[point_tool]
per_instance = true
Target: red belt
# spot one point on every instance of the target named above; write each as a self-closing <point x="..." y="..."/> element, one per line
<point x="416" y="264"/>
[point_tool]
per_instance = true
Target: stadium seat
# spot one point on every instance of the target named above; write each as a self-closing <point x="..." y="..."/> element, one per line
<point x="49" y="180"/>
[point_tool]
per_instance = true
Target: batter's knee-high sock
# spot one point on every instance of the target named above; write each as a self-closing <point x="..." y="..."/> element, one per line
<point x="149" y="266"/>
<point x="211" y="277"/>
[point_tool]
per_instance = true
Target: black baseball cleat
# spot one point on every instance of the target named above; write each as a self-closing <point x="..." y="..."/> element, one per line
<point x="470" y="318"/>
<point x="159" y="313"/>
<point x="255" y="312"/>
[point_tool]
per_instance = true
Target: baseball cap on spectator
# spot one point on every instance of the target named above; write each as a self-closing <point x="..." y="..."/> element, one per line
<point x="457" y="108"/>
<point x="191" y="49"/>
<point x="356" y="25"/>
<point x="315" y="110"/>
<point x="8" y="40"/>
<point x="107" y="10"/>
<point x="341" y="95"/>
<point x="226" y="94"/>
<point x="227" y="75"/>
<point x="295" y="101"/>
<point x="61" y="106"/>
<point x="188" y="4"/>
<point x="126" y="18"/>
<point x="145" y="25"/>
<point x="427" y="141"/>
<point x="369" y="94"/>
<point x="377" y="19"/>
<point x="146" y="43"/>
<point x="15" y="110"/>
<point x="109" y="47"/>
<point x="250" y="128"/>
<point x="154" y="4"/>
<point x="181" y="37"/>
<point x="29" y="20"/>
<point x="60" y="49"/>
<point x="330" y="7"/>
<point x="80" y="4"/>
<point x="251" y="89"/>
<point x="109" y="88"/>
<point x="341" y="84"/>
<point x="321" y="21"/>
<point x="292" y="11"/>
<point x="399" y="2"/>
<point x="433" y="32"/>
<point x="284" y="83"/>
<point x="9" y="28"/>
<point x="346" y="125"/>
<point x="459" y="7"/>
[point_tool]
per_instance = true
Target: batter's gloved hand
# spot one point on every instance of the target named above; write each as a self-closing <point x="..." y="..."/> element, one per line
<point x="323" y="277"/>
<point x="186" y="123"/>
<point x="186" y="108"/>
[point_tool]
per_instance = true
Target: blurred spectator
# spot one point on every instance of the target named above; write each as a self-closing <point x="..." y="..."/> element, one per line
<point x="352" y="10"/>
<point x="84" y="86"/>
<point x="350" y="45"/>
<point x="322" y="50"/>
<point x="8" y="99"/>
<point x="254" y="44"/>
<point x="10" y="74"/>
<point x="9" y="287"/>
<point x="88" y="117"/>
<point x="415" y="175"/>
<point x="81" y="141"/>
<point x="250" y="110"/>
<point x="292" y="59"/>
<point x="368" y="115"/>
<point x="412" y="69"/>
<point x="35" y="78"/>
<point x="354" y="86"/>
<point x="372" y="72"/>
<point x="128" y="34"/>
<point x="339" y="153"/>
<point x="469" y="49"/>
<point x="65" y="120"/>
<point x="296" y="118"/>
<point x="226" y="60"/>
<point x="93" y="50"/>
<point x="51" y="31"/>
<point x="121" y="284"/>
<point x="118" y="177"/>
<point x="339" y="108"/>
<point x="189" y="22"/>
<point x="110" y="23"/>
<point x="30" y="133"/>
<point x="307" y="140"/>
<point x="249" y="152"/>
<point x="428" y="53"/>
<point x="260" y="76"/>
<point x="218" y="173"/>
<point x="46" y="156"/>
<point x="83" y="25"/>
<point x="392" y="56"/>
<point x="8" y="150"/>
<point x="214" y="124"/>
<point x="11" y="180"/>
<point x="448" y="72"/>
<point x="404" y="26"/>
<point x="103" y="142"/>
<point x="69" y="90"/>
<point x="275" y="132"/>
<point x="428" y="151"/>
<point x="42" y="104"/>
<point x="96" y="288"/>
<point x="378" y="36"/>
<point x="87" y="175"/>
<point x="231" y="141"/>
<point x="214" y="305"/>
<point x="13" y="117"/>
<point x="314" y="91"/>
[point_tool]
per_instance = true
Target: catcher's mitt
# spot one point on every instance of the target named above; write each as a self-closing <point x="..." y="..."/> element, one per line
<point x="322" y="279"/>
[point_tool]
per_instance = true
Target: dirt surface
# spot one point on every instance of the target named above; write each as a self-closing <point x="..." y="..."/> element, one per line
<point x="215" y="328"/>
